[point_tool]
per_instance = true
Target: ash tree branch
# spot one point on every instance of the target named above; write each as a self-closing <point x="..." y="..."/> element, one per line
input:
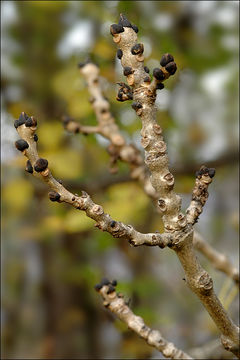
<point x="200" y="194"/>
<point x="26" y="128"/>
<point x="218" y="260"/>
<point x="116" y="304"/>
<point x="144" y="96"/>
<point x="132" y="155"/>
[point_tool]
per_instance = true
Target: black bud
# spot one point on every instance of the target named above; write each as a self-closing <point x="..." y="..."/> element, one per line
<point x="127" y="70"/>
<point x="166" y="58"/>
<point x="23" y="117"/>
<point x="211" y="172"/>
<point x="136" y="105"/>
<point x="110" y="289"/>
<point x="29" y="167"/>
<point x="135" y="28"/>
<point x="119" y="54"/>
<point x="116" y="29"/>
<point x="98" y="287"/>
<point x="146" y="69"/>
<point x="171" y="68"/>
<point x="160" y="86"/>
<point x="147" y="79"/>
<point x="124" y="21"/>
<point x="105" y="281"/>
<point x="114" y="282"/>
<point x="18" y="123"/>
<point x="31" y="121"/>
<point x="158" y="74"/>
<point x="137" y="49"/>
<point x="197" y="173"/>
<point x="35" y="137"/>
<point x="21" y="120"/>
<point x="113" y="223"/>
<point x="40" y="165"/>
<point x="54" y="196"/>
<point x="21" y="144"/>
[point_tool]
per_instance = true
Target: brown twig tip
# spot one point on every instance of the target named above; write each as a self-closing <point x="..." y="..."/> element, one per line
<point x="205" y="171"/>
<point x="29" y="167"/>
<point x="54" y="196"/>
<point x="106" y="282"/>
<point x="166" y="58"/>
<point x="21" y="145"/>
<point x="158" y="74"/>
<point x="124" y="21"/>
<point x="40" y="165"/>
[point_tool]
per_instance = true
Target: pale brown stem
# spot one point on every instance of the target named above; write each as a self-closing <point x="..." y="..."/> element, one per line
<point x="116" y="304"/>
<point x="218" y="260"/>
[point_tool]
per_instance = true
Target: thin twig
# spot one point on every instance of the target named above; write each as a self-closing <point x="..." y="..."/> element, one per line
<point x="26" y="127"/>
<point x="218" y="260"/>
<point x="115" y="302"/>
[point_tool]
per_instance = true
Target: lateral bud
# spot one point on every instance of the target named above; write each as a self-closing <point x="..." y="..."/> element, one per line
<point x="41" y="165"/>
<point x="54" y="196"/>
<point x="21" y="145"/>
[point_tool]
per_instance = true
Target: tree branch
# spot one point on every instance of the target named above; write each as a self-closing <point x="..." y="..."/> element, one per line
<point x="115" y="303"/>
<point x="217" y="259"/>
<point x="26" y="127"/>
<point x="108" y="128"/>
<point x="200" y="194"/>
<point x="144" y="96"/>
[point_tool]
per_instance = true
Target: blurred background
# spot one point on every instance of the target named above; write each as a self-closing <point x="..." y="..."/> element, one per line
<point x="52" y="255"/>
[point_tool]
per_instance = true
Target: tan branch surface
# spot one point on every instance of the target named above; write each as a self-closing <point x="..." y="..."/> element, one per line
<point x="144" y="96"/>
<point x="26" y="127"/>
<point x="218" y="260"/>
<point x="115" y="303"/>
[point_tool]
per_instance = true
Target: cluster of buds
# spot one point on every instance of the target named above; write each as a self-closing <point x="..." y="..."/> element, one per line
<point x="105" y="282"/>
<point x="22" y="145"/>
<point x="119" y="28"/>
<point x="29" y="121"/>
<point x="168" y="68"/>
<point x="205" y="171"/>
<point x="124" y="92"/>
